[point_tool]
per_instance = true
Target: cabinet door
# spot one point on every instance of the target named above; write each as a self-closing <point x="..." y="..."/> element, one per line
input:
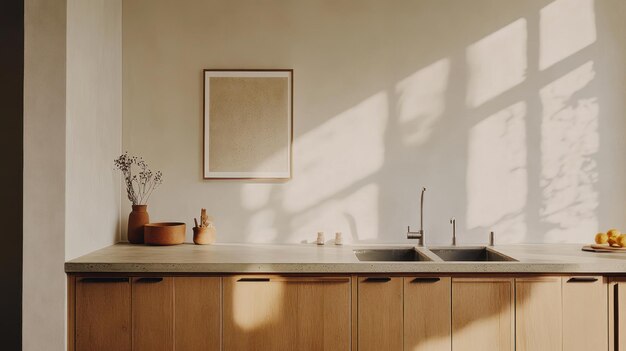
<point x="427" y="314"/>
<point x="153" y="314"/>
<point x="617" y="314"/>
<point x="380" y="313"/>
<point x="277" y="313"/>
<point x="197" y="313"/>
<point x="102" y="313"/>
<point x="482" y="314"/>
<point x="538" y="313"/>
<point x="585" y="317"/>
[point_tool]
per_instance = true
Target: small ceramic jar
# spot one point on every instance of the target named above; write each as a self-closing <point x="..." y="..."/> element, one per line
<point x="203" y="235"/>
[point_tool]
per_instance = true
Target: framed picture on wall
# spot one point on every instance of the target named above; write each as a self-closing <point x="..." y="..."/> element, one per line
<point x="248" y="116"/>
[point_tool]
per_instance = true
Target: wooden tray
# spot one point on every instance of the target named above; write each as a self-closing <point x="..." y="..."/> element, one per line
<point x="603" y="248"/>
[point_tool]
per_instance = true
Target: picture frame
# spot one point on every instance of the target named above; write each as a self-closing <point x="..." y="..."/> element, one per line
<point x="247" y="123"/>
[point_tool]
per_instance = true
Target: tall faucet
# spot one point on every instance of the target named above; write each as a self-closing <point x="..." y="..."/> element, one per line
<point x="419" y="234"/>
<point x="453" y="222"/>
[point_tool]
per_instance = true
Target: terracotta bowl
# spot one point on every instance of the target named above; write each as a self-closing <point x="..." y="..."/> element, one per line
<point x="166" y="233"/>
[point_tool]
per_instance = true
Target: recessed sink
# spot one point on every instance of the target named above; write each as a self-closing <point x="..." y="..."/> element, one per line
<point x="470" y="254"/>
<point x="391" y="255"/>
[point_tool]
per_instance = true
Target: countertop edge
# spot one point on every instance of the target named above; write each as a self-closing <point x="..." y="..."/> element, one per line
<point x="347" y="268"/>
<point x="312" y="259"/>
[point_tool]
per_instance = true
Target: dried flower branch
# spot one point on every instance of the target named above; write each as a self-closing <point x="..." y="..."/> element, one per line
<point x="139" y="186"/>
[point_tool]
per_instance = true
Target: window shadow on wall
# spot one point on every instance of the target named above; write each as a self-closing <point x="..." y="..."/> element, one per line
<point x="501" y="123"/>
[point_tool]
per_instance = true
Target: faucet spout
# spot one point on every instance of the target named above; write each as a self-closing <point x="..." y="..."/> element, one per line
<point x="422" y="210"/>
<point x="419" y="234"/>
<point x="453" y="222"/>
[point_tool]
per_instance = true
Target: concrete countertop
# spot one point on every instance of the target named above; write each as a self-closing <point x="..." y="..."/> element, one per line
<point x="308" y="258"/>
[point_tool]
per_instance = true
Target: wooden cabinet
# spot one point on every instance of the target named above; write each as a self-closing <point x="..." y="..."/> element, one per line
<point x="410" y="313"/>
<point x="482" y="314"/>
<point x="153" y="312"/>
<point x="102" y="314"/>
<point x="538" y="314"/>
<point x="287" y="313"/>
<point x="197" y="313"/>
<point x="380" y="313"/>
<point x="617" y="314"/>
<point x="427" y="314"/>
<point x="145" y="313"/>
<point x="328" y="313"/>
<point x="585" y="319"/>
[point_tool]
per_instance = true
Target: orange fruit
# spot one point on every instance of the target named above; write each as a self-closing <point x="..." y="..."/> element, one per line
<point x="602" y="238"/>
<point x="613" y="233"/>
<point x="621" y="240"/>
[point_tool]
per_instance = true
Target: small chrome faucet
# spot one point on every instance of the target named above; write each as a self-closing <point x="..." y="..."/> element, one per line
<point x="420" y="233"/>
<point x="453" y="222"/>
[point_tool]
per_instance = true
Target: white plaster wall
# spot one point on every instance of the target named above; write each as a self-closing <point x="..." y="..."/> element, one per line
<point x="72" y="132"/>
<point x="510" y="112"/>
<point x="94" y="124"/>
<point x="43" y="308"/>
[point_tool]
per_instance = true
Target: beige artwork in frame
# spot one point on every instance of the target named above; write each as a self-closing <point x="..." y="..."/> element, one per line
<point x="248" y="124"/>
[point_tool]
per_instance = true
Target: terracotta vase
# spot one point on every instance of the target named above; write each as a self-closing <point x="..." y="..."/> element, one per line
<point x="137" y="218"/>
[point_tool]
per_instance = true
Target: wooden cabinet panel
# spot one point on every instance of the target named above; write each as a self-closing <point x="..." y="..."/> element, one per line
<point x="197" y="313"/>
<point x="102" y="313"/>
<point x="315" y="313"/>
<point x="276" y="313"/>
<point x="427" y="314"/>
<point x="538" y="313"/>
<point x="482" y="314"/>
<point x="585" y="318"/>
<point x="380" y="313"/>
<point x="617" y="314"/>
<point x="153" y="314"/>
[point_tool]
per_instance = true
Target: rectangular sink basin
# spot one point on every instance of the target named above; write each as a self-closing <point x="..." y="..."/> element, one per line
<point x="390" y="255"/>
<point x="470" y="254"/>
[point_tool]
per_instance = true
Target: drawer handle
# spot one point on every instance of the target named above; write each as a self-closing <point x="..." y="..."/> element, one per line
<point x="104" y="280"/>
<point x="252" y="280"/>
<point x="149" y="280"/>
<point x="425" y="280"/>
<point x="582" y="280"/>
<point x="313" y="280"/>
<point x="377" y="279"/>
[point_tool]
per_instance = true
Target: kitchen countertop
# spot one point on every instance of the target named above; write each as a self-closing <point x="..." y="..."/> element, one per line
<point x="310" y="258"/>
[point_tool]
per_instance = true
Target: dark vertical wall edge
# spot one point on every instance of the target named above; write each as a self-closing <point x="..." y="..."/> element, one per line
<point x="11" y="174"/>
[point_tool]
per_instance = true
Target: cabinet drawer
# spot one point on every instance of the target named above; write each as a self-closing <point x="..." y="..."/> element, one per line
<point x="102" y="314"/>
<point x="427" y="313"/>
<point x="538" y="314"/>
<point x="380" y="313"/>
<point x="482" y="314"/>
<point x="287" y="313"/>
<point x="153" y="314"/>
<point x="585" y="319"/>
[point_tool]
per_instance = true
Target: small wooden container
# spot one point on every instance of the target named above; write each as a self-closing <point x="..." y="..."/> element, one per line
<point x="203" y="235"/>
<point x="166" y="233"/>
